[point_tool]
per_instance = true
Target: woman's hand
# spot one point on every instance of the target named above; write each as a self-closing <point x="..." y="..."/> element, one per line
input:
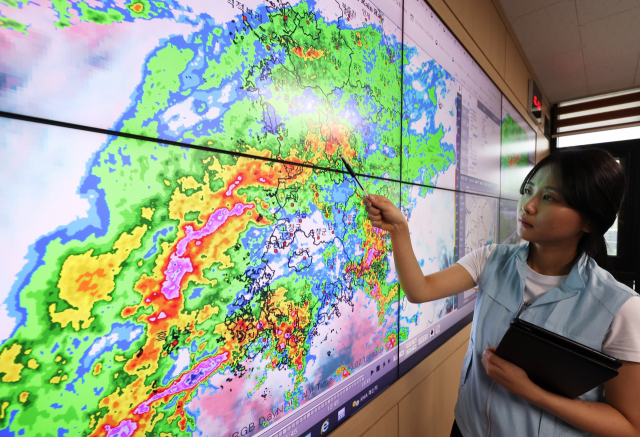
<point x="418" y="288"/>
<point x="383" y="213"/>
<point x="508" y="375"/>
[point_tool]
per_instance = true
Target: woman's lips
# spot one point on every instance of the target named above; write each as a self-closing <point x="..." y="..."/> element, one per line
<point x="525" y="224"/>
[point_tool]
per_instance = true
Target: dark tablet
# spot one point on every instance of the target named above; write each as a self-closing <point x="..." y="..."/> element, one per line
<point x="556" y="363"/>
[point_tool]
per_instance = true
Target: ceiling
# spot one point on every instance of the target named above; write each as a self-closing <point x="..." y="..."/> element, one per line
<point x="579" y="48"/>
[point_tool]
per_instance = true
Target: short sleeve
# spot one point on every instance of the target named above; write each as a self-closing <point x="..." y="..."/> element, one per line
<point x="623" y="338"/>
<point x="474" y="261"/>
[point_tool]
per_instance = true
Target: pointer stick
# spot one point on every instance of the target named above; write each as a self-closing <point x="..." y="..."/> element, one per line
<point x="353" y="174"/>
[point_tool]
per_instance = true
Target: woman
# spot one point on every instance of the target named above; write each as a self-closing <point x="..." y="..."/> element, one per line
<point x="568" y="201"/>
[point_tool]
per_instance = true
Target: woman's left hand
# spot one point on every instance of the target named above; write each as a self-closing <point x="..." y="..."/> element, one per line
<point x="507" y="374"/>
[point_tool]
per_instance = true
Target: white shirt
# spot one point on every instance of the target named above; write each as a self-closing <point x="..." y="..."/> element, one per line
<point x="623" y="337"/>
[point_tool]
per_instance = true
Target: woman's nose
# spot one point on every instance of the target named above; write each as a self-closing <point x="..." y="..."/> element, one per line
<point x="530" y="207"/>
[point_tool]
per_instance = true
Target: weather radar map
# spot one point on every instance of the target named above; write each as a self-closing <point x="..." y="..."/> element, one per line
<point x="429" y="123"/>
<point x="429" y="158"/>
<point x="194" y="292"/>
<point x="518" y="151"/>
<point x="431" y="217"/>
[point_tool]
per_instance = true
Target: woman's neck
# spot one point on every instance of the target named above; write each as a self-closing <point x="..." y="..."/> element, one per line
<point x="551" y="260"/>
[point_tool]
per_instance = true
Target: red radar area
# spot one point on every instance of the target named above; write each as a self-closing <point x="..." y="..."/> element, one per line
<point x="137" y="7"/>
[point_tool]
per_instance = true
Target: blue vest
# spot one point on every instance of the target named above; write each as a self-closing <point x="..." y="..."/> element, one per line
<point x="581" y="309"/>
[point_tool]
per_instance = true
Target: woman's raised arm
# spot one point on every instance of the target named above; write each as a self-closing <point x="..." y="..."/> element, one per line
<point x="385" y="215"/>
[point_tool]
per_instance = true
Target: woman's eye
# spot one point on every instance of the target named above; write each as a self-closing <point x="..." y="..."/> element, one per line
<point x="547" y="197"/>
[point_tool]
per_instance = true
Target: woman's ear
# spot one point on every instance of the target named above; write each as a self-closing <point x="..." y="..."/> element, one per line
<point x="586" y="226"/>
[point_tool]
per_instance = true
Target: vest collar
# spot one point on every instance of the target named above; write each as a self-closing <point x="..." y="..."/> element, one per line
<point x="574" y="283"/>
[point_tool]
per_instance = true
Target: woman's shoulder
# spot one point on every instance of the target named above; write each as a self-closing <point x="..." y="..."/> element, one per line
<point x="480" y="254"/>
<point x="606" y="279"/>
<point x="475" y="261"/>
<point x="623" y="338"/>
<point x="494" y="251"/>
<point x="499" y="248"/>
<point x="507" y="249"/>
<point x="605" y="287"/>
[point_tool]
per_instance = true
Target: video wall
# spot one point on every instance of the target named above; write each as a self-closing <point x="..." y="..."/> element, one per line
<point x="183" y="251"/>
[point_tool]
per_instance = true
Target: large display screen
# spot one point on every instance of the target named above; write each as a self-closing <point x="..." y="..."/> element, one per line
<point x="183" y="251"/>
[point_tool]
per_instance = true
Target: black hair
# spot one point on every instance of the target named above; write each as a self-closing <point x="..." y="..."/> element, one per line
<point x="593" y="183"/>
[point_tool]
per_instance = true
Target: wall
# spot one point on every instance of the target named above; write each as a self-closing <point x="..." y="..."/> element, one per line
<point x="421" y="403"/>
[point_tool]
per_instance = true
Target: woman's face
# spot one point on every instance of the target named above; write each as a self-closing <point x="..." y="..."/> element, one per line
<point x="544" y="216"/>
